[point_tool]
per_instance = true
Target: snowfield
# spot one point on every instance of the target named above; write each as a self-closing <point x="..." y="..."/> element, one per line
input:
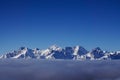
<point x="36" y="69"/>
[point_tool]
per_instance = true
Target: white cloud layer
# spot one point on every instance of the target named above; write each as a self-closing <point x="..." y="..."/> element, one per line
<point x="59" y="70"/>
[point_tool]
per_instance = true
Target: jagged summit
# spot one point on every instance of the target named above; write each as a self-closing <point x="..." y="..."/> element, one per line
<point x="56" y="52"/>
<point x="36" y="49"/>
<point x="97" y="48"/>
<point x="54" y="47"/>
<point x="23" y="48"/>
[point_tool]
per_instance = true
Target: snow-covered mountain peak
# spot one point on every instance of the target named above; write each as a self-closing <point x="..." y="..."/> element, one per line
<point x="55" y="47"/>
<point x="97" y="49"/>
<point x="56" y="52"/>
<point x="118" y="52"/>
<point x="97" y="52"/>
<point x="80" y="50"/>
<point x="76" y="49"/>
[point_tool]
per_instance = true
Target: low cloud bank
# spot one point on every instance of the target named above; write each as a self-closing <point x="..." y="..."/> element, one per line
<point x="59" y="70"/>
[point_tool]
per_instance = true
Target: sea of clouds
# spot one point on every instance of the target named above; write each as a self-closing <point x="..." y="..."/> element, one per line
<point x="22" y="69"/>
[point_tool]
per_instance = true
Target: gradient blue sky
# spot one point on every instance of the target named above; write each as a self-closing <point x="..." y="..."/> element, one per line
<point x="42" y="23"/>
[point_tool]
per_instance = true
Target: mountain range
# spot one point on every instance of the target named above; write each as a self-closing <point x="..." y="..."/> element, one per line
<point x="55" y="52"/>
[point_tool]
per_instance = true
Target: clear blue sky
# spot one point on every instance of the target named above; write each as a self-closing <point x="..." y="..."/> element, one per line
<point x="42" y="23"/>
